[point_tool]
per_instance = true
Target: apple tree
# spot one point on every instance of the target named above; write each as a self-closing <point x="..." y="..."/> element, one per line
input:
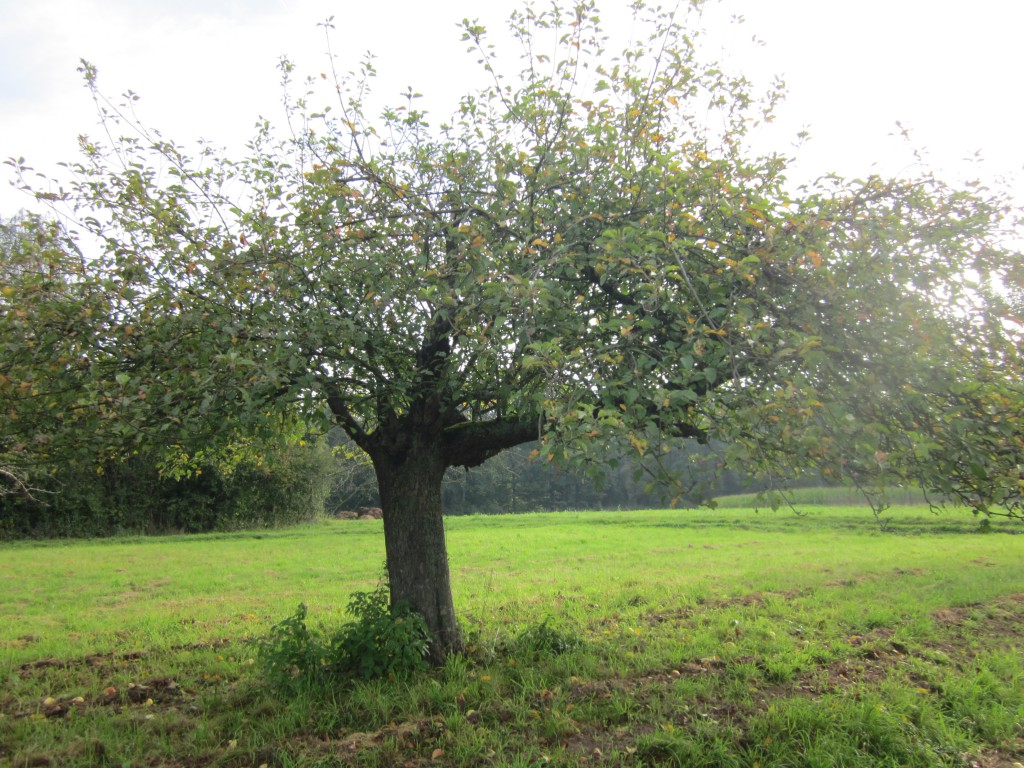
<point x="586" y="254"/>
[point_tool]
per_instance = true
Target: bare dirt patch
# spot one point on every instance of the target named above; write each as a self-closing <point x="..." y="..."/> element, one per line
<point x="101" y="659"/>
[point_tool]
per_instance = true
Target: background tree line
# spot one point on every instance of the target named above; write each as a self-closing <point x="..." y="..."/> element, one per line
<point x="518" y="481"/>
<point x="132" y="496"/>
<point x="284" y="484"/>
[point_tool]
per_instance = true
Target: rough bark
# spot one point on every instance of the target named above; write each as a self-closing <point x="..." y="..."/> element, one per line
<point x="470" y="444"/>
<point x="410" y="494"/>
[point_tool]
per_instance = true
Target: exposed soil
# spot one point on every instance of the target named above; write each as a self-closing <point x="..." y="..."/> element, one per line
<point x="101" y="659"/>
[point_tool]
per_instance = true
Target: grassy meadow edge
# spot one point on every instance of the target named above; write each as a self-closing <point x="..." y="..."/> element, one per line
<point x="708" y="637"/>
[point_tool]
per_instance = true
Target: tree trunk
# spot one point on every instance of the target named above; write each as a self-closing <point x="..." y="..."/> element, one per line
<point x="417" y="556"/>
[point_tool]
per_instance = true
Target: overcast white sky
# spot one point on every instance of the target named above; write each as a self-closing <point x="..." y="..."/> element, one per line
<point x="950" y="71"/>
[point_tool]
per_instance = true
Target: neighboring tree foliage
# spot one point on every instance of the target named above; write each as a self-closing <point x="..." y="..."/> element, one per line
<point x="280" y="486"/>
<point x="586" y="253"/>
<point x="43" y="309"/>
<point x="72" y="464"/>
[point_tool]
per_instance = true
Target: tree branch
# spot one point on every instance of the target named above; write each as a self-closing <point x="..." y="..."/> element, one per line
<point x="471" y="443"/>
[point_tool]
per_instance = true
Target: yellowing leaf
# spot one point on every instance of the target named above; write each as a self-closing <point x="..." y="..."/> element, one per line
<point x="815" y="258"/>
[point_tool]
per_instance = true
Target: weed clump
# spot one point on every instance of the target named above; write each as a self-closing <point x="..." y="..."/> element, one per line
<point x="384" y="641"/>
<point x="290" y="655"/>
<point x="544" y="640"/>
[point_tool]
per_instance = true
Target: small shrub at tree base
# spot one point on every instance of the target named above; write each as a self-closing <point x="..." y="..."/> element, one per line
<point x="383" y="642"/>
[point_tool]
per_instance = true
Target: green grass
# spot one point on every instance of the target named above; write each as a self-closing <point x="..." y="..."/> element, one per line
<point x="827" y="495"/>
<point x="708" y="638"/>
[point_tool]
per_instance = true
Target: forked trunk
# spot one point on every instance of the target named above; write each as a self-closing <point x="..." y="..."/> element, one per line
<point x="410" y="495"/>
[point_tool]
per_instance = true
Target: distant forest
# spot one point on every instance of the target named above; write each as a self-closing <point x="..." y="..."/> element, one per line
<point x="283" y="484"/>
<point x="513" y="482"/>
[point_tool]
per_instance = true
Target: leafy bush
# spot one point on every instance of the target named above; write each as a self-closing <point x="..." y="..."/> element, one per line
<point x="383" y="641"/>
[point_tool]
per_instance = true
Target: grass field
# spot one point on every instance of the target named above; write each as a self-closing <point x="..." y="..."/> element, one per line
<point x="820" y="496"/>
<point x="705" y="638"/>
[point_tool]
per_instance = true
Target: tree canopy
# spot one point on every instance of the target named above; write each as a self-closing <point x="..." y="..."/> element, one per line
<point x="586" y="253"/>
